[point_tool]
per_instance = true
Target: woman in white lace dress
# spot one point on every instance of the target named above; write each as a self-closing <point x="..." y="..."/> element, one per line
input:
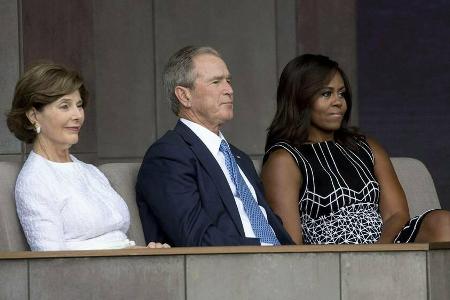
<point x="62" y="203"/>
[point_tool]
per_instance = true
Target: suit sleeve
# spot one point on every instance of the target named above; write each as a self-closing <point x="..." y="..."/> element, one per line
<point x="167" y="183"/>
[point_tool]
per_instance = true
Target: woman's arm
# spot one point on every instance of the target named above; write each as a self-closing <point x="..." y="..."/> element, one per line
<point x="393" y="205"/>
<point x="282" y="180"/>
<point x="39" y="215"/>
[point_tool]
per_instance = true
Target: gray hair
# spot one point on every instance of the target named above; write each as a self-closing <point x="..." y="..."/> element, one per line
<point x="179" y="71"/>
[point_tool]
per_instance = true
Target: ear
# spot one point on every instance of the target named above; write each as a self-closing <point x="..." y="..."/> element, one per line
<point x="31" y="115"/>
<point x="184" y="96"/>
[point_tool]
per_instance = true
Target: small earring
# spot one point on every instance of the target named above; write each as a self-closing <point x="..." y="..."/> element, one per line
<point x="37" y="128"/>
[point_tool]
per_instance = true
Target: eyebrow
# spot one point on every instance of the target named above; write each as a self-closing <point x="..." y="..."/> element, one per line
<point x="220" y="77"/>
<point x="64" y="100"/>
<point x="332" y="88"/>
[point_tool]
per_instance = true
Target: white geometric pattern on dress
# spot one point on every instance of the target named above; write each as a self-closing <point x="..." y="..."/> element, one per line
<point x="332" y="209"/>
<point x="350" y="225"/>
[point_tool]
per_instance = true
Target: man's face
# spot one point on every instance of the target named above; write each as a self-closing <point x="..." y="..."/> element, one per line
<point x="212" y="94"/>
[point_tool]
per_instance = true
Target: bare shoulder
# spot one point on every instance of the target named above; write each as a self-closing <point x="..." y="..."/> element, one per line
<point x="280" y="157"/>
<point x="280" y="163"/>
<point x="377" y="149"/>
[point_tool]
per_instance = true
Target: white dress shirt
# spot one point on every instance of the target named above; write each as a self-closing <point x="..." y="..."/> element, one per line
<point x="69" y="206"/>
<point x="212" y="142"/>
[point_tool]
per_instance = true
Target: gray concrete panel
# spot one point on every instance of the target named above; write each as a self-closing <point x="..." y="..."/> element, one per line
<point x="329" y="28"/>
<point x="263" y="276"/>
<point x="286" y="32"/>
<point x="245" y="33"/>
<point x="439" y="274"/>
<point x="13" y="279"/>
<point x="384" y="276"/>
<point x="61" y="31"/>
<point x="12" y="157"/>
<point x="154" y="277"/>
<point x="11" y="234"/>
<point x="10" y="68"/>
<point x="124" y="77"/>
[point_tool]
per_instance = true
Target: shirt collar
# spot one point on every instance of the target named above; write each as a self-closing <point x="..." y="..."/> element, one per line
<point x="210" y="139"/>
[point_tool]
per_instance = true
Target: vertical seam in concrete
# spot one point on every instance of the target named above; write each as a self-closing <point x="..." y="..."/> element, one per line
<point x="427" y="266"/>
<point x="277" y="54"/>
<point x="20" y="31"/>
<point x="94" y="83"/>
<point x="340" y="276"/>
<point x="355" y="98"/>
<point x="296" y="27"/>
<point x="155" y="76"/>
<point x="28" y="279"/>
<point x="185" y="278"/>
<point x="21" y="62"/>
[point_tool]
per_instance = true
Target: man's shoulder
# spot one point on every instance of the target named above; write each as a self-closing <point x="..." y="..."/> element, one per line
<point x="169" y="144"/>
<point x="171" y="137"/>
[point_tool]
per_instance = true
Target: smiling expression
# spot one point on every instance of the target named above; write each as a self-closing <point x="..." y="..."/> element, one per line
<point x="61" y="121"/>
<point x="328" y="110"/>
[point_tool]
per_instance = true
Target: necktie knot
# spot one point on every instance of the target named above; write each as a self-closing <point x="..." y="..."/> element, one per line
<point x="224" y="146"/>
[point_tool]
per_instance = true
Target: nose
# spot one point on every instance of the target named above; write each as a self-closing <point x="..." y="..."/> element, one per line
<point x="77" y="113"/>
<point x="338" y="100"/>
<point x="228" y="88"/>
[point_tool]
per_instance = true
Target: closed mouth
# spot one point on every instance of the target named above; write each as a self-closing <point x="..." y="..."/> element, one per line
<point x="73" y="128"/>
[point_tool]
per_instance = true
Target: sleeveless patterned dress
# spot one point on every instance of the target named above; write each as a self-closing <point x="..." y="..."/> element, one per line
<point x="339" y="197"/>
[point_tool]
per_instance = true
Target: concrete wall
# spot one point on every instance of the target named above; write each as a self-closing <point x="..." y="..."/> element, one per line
<point x="311" y="275"/>
<point x="10" y="64"/>
<point x="121" y="47"/>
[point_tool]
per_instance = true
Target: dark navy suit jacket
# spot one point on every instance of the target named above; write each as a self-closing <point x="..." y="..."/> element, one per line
<point x="184" y="198"/>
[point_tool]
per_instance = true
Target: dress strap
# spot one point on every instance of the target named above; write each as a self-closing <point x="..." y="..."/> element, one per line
<point x="283" y="145"/>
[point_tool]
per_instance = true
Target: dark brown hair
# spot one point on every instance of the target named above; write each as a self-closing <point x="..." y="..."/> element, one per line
<point x="41" y="85"/>
<point x="300" y="82"/>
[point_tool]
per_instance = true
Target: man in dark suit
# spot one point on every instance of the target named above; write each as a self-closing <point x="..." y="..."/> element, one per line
<point x="193" y="188"/>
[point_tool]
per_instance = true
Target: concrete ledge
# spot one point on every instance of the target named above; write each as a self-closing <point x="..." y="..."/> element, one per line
<point x="414" y="271"/>
<point x="223" y="250"/>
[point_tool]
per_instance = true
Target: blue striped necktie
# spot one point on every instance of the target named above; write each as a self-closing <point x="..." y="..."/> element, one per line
<point x="259" y="223"/>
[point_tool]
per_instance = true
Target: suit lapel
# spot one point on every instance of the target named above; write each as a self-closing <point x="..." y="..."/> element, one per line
<point x="213" y="169"/>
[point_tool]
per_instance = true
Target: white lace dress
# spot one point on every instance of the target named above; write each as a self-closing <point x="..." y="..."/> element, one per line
<point x="69" y="206"/>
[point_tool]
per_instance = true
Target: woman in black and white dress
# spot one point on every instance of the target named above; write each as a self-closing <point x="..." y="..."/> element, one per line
<point x="330" y="184"/>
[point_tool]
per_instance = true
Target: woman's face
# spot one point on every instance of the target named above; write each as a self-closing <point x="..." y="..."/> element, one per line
<point x="328" y="110"/>
<point x="61" y="121"/>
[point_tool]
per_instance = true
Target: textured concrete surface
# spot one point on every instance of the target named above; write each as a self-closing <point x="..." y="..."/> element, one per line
<point x="13" y="279"/>
<point x="125" y="80"/>
<point x="108" y="278"/>
<point x="10" y="68"/>
<point x="258" y="276"/>
<point x="387" y="275"/>
<point x="439" y="268"/>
